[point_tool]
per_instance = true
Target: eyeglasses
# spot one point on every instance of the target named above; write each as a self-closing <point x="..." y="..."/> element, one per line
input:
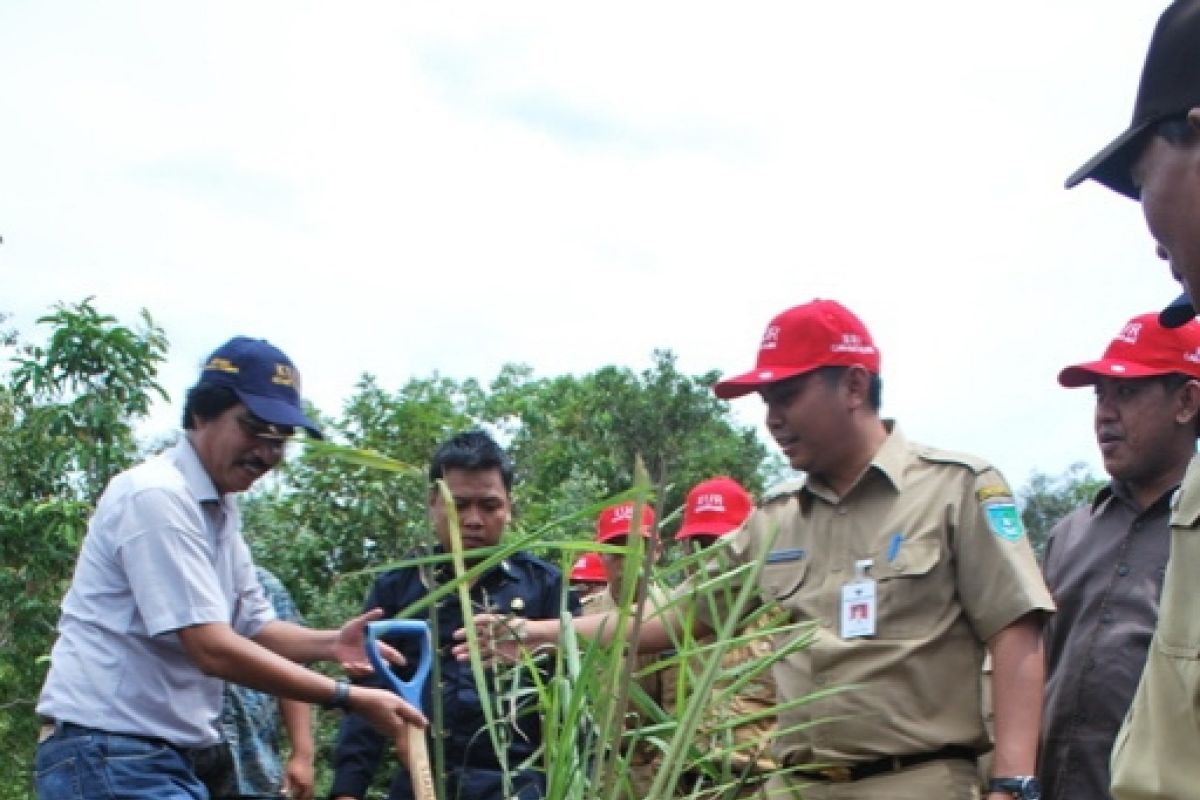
<point x="265" y="432"/>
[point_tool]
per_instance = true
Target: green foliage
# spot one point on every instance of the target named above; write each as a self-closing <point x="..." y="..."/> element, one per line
<point x="325" y="524"/>
<point x="66" y="413"/>
<point x="576" y="437"/>
<point x="1046" y="499"/>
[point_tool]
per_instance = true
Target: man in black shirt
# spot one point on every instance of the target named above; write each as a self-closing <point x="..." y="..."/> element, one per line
<point x="479" y="476"/>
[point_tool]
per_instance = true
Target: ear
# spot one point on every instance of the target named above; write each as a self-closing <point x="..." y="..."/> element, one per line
<point x="1193" y="119"/>
<point x="857" y="383"/>
<point x="1187" y="406"/>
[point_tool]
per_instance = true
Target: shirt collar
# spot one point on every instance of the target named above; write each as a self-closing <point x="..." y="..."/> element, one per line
<point x="889" y="460"/>
<point x="1119" y="490"/>
<point x="440" y="572"/>
<point x="194" y="474"/>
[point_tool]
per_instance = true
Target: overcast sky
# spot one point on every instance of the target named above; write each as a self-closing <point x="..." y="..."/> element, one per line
<point x="398" y="188"/>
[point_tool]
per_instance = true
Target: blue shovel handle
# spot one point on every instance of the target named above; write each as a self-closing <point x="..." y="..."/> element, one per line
<point x="412" y="689"/>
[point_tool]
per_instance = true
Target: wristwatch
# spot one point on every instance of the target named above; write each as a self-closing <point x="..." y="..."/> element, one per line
<point x="1022" y="787"/>
<point x="341" y="696"/>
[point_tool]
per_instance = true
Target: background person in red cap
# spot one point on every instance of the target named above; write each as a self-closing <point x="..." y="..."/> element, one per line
<point x="614" y="526"/>
<point x="927" y="542"/>
<point x="1156" y="160"/>
<point x="588" y="577"/>
<point x="164" y="606"/>
<point x="716" y="508"/>
<point x="1104" y="562"/>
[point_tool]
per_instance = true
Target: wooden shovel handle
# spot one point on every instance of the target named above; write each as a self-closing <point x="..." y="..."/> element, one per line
<point x="415" y="755"/>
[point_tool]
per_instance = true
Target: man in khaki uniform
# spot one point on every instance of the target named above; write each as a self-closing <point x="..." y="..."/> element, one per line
<point x="739" y="755"/>
<point x="906" y="560"/>
<point x="1157" y="160"/>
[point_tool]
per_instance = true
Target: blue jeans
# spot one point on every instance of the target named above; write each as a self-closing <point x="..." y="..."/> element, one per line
<point x="79" y="763"/>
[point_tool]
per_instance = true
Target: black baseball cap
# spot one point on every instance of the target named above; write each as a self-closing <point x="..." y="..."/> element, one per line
<point x="263" y="378"/>
<point x="1170" y="86"/>
<point x="1179" y="313"/>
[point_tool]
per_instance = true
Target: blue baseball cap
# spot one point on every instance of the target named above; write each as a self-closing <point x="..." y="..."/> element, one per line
<point x="263" y="378"/>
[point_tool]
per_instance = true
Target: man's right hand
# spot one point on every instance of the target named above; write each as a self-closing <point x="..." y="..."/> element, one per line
<point x="503" y="638"/>
<point x="384" y="711"/>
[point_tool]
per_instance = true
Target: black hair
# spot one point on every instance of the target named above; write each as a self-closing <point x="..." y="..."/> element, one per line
<point x="1176" y="130"/>
<point x="832" y="375"/>
<point x="207" y="401"/>
<point x="472" y="450"/>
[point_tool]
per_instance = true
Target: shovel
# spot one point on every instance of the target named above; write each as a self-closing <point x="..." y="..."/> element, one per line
<point x="412" y="752"/>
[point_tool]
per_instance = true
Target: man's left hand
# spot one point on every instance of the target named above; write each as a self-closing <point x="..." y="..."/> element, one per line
<point x="350" y="647"/>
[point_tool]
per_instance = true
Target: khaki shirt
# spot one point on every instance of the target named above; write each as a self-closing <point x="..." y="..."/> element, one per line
<point x="962" y="571"/>
<point x="1157" y="752"/>
<point x="751" y="739"/>
<point x="642" y="757"/>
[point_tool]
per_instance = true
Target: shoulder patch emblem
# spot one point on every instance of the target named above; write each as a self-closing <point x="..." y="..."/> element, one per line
<point x="990" y="492"/>
<point x="1004" y="520"/>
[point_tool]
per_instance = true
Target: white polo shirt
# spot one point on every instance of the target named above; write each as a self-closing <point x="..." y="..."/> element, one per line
<point x="163" y="552"/>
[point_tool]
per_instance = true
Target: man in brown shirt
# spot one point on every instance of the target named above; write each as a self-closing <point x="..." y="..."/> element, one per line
<point x="907" y="562"/>
<point x="1105" y="562"/>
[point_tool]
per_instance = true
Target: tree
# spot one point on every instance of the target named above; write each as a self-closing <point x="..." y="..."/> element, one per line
<point x="66" y="414"/>
<point x="321" y="522"/>
<point x="573" y="436"/>
<point x="1046" y="499"/>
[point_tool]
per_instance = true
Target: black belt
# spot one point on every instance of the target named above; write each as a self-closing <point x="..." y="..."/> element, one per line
<point x="691" y="779"/>
<point x="857" y="772"/>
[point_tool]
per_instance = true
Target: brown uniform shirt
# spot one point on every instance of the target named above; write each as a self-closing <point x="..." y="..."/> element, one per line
<point x="1157" y="752"/>
<point x="962" y="572"/>
<point x="641" y="758"/>
<point x="750" y="741"/>
<point x="1104" y="565"/>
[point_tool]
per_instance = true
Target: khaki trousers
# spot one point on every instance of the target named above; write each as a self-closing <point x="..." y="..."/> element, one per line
<point x="952" y="779"/>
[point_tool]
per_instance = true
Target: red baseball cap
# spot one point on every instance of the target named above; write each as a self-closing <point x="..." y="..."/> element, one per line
<point x="823" y="333"/>
<point x="616" y="521"/>
<point x="1143" y="348"/>
<point x="714" y="508"/>
<point x="589" y="568"/>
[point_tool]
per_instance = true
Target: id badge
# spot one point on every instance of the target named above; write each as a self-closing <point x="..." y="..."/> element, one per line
<point x="858" y="608"/>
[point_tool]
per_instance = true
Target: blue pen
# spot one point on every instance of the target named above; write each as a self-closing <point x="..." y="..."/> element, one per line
<point x="894" y="546"/>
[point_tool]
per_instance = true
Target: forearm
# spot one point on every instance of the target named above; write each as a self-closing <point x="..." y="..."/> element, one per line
<point x="219" y="651"/>
<point x="297" y="643"/>
<point x="655" y="634"/>
<point x="1018" y="675"/>
<point x="297" y="721"/>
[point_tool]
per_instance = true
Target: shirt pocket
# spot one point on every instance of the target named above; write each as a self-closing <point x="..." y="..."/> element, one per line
<point x="1178" y="632"/>
<point x="781" y="579"/>
<point x="908" y="591"/>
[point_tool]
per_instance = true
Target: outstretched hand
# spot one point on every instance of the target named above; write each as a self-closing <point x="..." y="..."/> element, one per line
<point x="350" y="647"/>
<point x="502" y="639"/>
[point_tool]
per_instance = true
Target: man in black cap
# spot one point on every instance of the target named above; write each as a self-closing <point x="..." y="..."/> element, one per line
<point x="1157" y="160"/>
<point x="164" y="606"/>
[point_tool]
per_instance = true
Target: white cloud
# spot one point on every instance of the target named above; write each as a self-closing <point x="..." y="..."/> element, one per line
<point x="397" y="188"/>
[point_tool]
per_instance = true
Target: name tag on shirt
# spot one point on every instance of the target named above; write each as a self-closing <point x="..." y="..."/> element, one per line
<point x="858" y="609"/>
